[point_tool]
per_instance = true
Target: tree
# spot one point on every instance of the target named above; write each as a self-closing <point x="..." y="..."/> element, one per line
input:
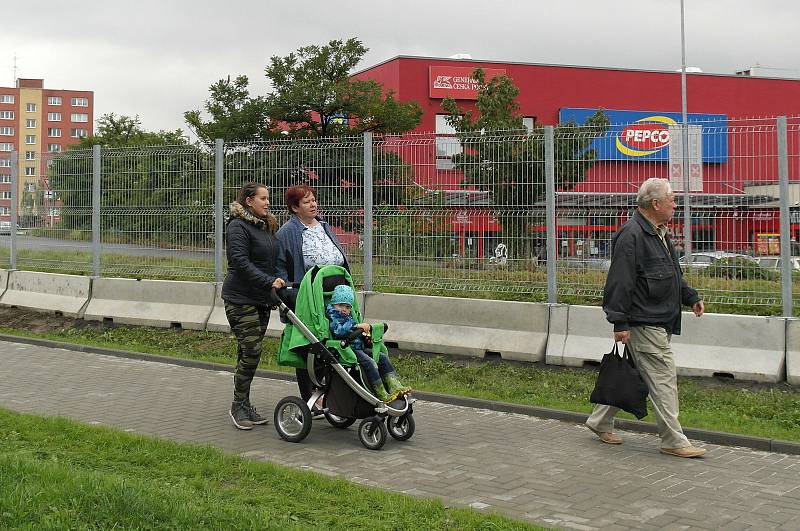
<point x="314" y="95"/>
<point x="235" y="115"/>
<point x="500" y="155"/>
<point x="126" y="131"/>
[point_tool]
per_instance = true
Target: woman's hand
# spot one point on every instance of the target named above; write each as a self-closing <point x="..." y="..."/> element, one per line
<point x="278" y="283"/>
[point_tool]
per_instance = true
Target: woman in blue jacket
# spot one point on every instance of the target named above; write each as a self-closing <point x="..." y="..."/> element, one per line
<point x="307" y="241"/>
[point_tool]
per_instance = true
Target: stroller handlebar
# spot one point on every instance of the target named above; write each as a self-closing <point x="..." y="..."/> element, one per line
<point x="277" y="296"/>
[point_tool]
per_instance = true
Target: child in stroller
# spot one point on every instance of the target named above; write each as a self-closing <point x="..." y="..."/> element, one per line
<point x="380" y="374"/>
<point x="333" y="367"/>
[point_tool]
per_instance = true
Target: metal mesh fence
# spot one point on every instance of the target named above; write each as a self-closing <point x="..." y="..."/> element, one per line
<point x="459" y="214"/>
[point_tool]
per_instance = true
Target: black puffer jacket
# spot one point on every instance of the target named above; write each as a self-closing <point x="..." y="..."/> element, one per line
<point x="645" y="285"/>
<point x="252" y="251"/>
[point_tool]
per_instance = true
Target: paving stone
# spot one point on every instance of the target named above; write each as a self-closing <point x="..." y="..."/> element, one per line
<point x="541" y="470"/>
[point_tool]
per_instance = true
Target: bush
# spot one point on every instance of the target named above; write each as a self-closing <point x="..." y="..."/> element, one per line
<point x="739" y="268"/>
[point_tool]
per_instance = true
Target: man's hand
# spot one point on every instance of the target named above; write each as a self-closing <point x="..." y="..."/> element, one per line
<point x="622" y="336"/>
<point x="366" y="327"/>
<point x="699" y="308"/>
<point x="278" y="283"/>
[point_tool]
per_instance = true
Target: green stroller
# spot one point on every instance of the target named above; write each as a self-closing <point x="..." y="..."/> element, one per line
<point x="333" y="368"/>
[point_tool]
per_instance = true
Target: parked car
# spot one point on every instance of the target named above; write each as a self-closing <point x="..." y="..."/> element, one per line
<point x="773" y="263"/>
<point x="5" y="227"/>
<point x="705" y="259"/>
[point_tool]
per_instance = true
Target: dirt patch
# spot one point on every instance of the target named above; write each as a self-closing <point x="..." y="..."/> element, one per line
<point x="33" y="321"/>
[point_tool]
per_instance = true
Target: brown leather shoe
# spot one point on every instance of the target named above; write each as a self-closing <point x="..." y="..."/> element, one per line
<point x="606" y="437"/>
<point x="689" y="451"/>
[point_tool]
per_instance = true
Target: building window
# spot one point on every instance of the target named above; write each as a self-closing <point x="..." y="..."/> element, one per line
<point x="6" y="115"/>
<point x="30" y="187"/>
<point x="54" y="148"/>
<point x="54" y="116"/>
<point x="5" y="163"/>
<point x="5" y="179"/>
<point x="30" y="172"/>
<point x="78" y="117"/>
<point x="80" y="102"/>
<point x="447" y="144"/>
<point x="30" y="155"/>
<point x="6" y="98"/>
<point x="6" y="195"/>
<point x="30" y="123"/>
<point x="528" y="122"/>
<point x="6" y="146"/>
<point x="30" y="107"/>
<point x="54" y="100"/>
<point x="54" y="132"/>
<point x="30" y="139"/>
<point x="7" y="131"/>
<point x="5" y="211"/>
<point x="77" y="133"/>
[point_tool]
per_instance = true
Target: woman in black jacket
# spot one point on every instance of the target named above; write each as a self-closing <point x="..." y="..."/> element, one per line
<point x="252" y="251"/>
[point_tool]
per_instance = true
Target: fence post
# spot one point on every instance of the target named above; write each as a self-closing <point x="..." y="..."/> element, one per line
<point x="219" y="164"/>
<point x="367" y="251"/>
<point x="14" y="206"/>
<point x="786" y="251"/>
<point x="550" y="212"/>
<point x="96" y="191"/>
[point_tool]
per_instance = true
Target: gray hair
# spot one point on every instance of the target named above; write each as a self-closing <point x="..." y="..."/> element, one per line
<point x="652" y="188"/>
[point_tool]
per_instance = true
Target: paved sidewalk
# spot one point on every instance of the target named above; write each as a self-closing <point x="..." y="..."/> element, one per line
<point x="545" y="471"/>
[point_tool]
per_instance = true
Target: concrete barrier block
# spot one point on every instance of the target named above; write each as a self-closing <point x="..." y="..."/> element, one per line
<point x="743" y="346"/>
<point x="588" y="337"/>
<point x="793" y="351"/>
<point x="467" y="327"/>
<point x="218" y="322"/>
<point x="3" y="281"/>
<point x="50" y="292"/>
<point x="159" y="303"/>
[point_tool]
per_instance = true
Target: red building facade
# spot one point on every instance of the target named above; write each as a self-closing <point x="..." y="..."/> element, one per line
<point x="728" y="217"/>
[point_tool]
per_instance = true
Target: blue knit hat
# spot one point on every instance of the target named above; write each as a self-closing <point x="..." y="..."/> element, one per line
<point x="342" y="294"/>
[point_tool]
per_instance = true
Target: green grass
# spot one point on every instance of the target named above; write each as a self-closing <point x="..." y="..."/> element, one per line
<point x="59" y="474"/>
<point x="757" y="410"/>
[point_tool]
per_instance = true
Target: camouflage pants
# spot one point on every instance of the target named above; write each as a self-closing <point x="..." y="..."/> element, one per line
<point x="248" y="324"/>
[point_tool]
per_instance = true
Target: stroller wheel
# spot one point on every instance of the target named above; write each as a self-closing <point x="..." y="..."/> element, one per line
<point x="401" y="428"/>
<point x="339" y="422"/>
<point x="372" y="433"/>
<point x="292" y="419"/>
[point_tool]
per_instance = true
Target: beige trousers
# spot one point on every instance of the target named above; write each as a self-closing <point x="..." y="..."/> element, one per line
<point x="653" y="356"/>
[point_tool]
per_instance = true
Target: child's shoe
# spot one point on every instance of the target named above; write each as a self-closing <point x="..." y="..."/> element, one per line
<point x="380" y="391"/>
<point x="394" y="387"/>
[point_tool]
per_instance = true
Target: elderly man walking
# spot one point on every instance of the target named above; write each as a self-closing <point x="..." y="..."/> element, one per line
<point x="642" y="299"/>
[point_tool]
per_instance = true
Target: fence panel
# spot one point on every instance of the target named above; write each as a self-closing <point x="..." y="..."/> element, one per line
<point x="156" y="213"/>
<point x="454" y="214"/>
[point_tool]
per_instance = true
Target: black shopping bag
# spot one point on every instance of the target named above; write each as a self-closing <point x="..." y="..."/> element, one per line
<point x="619" y="384"/>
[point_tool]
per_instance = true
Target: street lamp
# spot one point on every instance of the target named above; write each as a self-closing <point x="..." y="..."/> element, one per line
<point x="687" y="215"/>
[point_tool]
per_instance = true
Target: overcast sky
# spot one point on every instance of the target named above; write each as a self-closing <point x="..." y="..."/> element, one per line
<point x="156" y="58"/>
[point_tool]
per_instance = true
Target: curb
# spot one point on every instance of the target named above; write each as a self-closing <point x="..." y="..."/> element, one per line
<point x="713" y="437"/>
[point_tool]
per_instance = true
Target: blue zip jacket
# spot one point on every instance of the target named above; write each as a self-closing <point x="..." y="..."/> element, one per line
<point x="290" y="265"/>
<point x="341" y="325"/>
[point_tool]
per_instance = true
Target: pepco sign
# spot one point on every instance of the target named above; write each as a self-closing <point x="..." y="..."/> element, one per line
<point x="642" y="135"/>
<point x="645" y="136"/>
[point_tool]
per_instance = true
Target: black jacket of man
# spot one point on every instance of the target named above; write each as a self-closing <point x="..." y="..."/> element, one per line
<point x="645" y="285"/>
